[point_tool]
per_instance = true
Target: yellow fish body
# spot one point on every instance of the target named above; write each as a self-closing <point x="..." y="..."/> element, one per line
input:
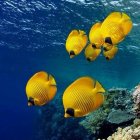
<point x="82" y="97"/>
<point x="115" y="27"/>
<point x="95" y="35"/>
<point x="40" y="89"/>
<point x="76" y="42"/>
<point x="91" y="52"/>
<point x="111" y="53"/>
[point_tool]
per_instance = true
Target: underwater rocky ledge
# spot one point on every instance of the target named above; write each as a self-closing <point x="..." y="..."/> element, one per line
<point x="117" y="119"/>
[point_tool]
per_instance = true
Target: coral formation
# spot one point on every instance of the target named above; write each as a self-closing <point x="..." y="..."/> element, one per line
<point x="136" y="97"/>
<point x="118" y="101"/>
<point x="127" y="133"/>
<point x="115" y="112"/>
<point x="119" y="116"/>
<point x="93" y="122"/>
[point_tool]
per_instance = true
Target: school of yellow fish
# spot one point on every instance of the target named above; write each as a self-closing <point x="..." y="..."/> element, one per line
<point x="107" y="35"/>
<point x="85" y="94"/>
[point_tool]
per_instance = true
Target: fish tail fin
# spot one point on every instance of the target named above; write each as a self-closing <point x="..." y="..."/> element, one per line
<point x="127" y="26"/>
<point x="52" y="89"/>
<point x="126" y="23"/>
<point x="125" y="17"/>
<point x="84" y="37"/>
<point x="82" y="32"/>
<point x="52" y="80"/>
<point x="98" y="100"/>
<point x="99" y="87"/>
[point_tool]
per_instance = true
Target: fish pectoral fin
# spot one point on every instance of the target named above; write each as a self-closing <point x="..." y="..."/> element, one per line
<point x="77" y="112"/>
<point x="52" y="80"/>
<point x="99" y="87"/>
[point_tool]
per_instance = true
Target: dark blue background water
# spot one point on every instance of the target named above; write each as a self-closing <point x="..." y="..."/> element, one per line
<point x="32" y="38"/>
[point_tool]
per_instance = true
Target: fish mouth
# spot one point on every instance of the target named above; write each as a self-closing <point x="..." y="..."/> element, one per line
<point x="88" y="59"/>
<point x="66" y="115"/>
<point x="30" y="104"/>
<point x="94" y="46"/>
<point x="72" y="54"/>
<point x="107" y="58"/>
<point x="31" y="101"/>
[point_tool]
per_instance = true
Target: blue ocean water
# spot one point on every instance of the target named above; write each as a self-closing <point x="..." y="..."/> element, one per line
<point x="32" y="38"/>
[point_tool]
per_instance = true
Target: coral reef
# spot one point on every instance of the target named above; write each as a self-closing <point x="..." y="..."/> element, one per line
<point x="127" y="133"/>
<point x="119" y="116"/>
<point x="136" y="97"/>
<point x="116" y="111"/>
<point x="93" y="122"/>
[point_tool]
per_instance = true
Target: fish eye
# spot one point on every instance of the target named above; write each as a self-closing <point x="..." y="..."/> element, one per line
<point x="93" y="46"/>
<point x="108" y="40"/>
<point x="72" y="53"/>
<point x="88" y="59"/>
<point x="70" y="111"/>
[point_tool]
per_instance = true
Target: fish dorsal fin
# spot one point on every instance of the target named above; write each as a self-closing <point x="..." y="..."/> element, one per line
<point x="40" y="75"/>
<point x="74" y="33"/>
<point x="99" y="87"/>
<point x="51" y="80"/>
<point x="84" y="81"/>
<point x="114" y="17"/>
<point x="96" y="26"/>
